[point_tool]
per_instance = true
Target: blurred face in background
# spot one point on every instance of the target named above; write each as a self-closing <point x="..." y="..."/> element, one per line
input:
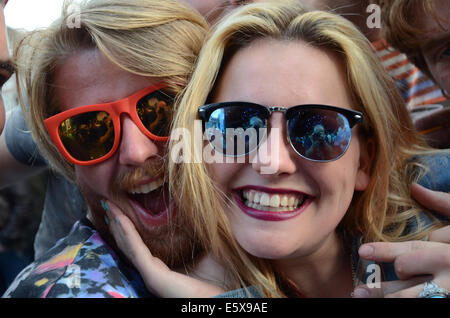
<point x="214" y="9"/>
<point x="436" y="42"/>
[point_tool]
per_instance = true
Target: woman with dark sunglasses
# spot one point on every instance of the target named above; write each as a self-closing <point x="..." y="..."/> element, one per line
<point x="346" y="157"/>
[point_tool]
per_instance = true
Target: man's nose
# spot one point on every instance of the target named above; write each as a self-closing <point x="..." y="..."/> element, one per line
<point x="135" y="147"/>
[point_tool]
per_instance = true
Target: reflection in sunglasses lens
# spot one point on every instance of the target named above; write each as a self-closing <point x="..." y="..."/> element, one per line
<point x="319" y="134"/>
<point x="87" y="136"/>
<point x="235" y="130"/>
<point x="155" y="112"/>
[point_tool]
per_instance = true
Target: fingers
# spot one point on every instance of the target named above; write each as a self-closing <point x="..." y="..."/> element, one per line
<point x="441" y="235"/>
<point x="415" y="262"/>
<point x="412" y="292"/>
<point x="392" y="288"/>
<point x="425" y="261"/>
<point x="395" y="289"/>
<point x="125" y="234"/>
<point x="119" y="224"/>
<point x="410" y="258"/>
<point x="387" y="252"/>
<point x="432" y="200"/>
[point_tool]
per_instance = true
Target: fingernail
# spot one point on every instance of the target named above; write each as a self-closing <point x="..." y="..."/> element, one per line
<point x="361" y="293"/>
<point x="106" y="219"/>
<point x="105" y="206"/>
<point x="366" y="251"/>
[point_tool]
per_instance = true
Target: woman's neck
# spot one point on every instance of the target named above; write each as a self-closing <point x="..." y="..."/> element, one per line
<point x="325" y="273"/>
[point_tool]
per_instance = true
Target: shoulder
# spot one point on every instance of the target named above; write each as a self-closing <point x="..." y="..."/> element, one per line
<point x="80" y="265"/>
<point x="437" y="176"/>
<point x="20" y="142"/>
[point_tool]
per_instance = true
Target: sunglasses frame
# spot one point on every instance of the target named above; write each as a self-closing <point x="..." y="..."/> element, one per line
<point x="115" y="109"/>
<point x="354" y="117"/>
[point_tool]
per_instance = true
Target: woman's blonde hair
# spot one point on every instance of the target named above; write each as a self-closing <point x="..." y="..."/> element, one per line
<point x="383" y="212"/>
<point x="154" y="38"/>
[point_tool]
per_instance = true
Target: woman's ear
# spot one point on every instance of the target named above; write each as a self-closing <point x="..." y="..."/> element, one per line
<point x="365" y="164"/>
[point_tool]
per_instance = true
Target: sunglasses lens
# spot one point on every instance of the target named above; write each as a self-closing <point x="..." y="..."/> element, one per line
<point x="319" y="134"/>
<point x="234" y="130"/>
<point x="155" y="112"/>
<point x="87" y="136"/>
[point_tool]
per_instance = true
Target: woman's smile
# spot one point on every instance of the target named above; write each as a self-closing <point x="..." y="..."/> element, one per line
<point x="271" y="204"/>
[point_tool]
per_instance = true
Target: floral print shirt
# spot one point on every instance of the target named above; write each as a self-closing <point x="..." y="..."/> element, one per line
<point x="80" y="265"/>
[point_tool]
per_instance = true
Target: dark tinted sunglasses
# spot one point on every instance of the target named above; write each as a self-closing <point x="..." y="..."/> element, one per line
<point x="90" y="134"/>
<point x="316" y="132"/>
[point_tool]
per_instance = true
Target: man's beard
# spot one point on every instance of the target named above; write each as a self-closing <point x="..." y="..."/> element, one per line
<point x="174" y="242"/>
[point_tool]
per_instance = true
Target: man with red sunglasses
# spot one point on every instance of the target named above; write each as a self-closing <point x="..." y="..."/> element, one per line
<point x="101" y="102"/>
<point x="20" y="158"/>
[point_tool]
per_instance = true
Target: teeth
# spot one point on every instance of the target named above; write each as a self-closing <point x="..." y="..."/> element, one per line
<point x="149" y="187"/>
<point x="275" y="201"/>
<point x="257" y="197"/>
<point x="265" y="199"/>
<point x="284" y="200"/>
<point x="291" y="201"/>
<point x="272" y="202"/>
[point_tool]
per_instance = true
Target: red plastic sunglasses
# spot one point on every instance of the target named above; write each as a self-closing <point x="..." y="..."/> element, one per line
<point x="87" y="135"/>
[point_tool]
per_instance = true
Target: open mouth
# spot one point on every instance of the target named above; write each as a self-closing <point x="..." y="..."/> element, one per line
<point x="271" y="205"/>
<point x="152" y="201"/>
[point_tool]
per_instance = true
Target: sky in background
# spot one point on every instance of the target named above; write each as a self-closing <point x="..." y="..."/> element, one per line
<point x="32" y="14"/>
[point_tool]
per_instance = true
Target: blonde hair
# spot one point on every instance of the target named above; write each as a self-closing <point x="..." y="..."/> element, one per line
<point x="383" y="212"/>
<point x="158" y="38"/>
<point x="400" y="30"/>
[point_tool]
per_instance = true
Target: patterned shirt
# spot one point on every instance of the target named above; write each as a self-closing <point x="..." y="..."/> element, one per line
<point x="416" y="88"/>
<point x="80" y="265"/>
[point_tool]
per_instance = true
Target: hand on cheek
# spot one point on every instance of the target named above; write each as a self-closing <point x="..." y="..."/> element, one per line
<point x="126" y="236"/>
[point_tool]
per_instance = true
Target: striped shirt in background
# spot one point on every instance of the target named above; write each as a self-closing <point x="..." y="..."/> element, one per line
<point x="416" y="88"/>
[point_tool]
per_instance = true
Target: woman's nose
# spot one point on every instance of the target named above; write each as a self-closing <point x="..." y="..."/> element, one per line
<point x="275" y="154"/>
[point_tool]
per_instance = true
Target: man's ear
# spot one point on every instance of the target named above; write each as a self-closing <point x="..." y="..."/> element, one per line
<point x="365" y="164"/>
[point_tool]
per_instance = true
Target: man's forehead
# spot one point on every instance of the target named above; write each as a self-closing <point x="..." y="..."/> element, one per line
<point x="90" y="78"/>
<point x="89" y="68"/>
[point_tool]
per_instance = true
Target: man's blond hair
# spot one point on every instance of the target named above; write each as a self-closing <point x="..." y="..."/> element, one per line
<point x="152" y="38"/>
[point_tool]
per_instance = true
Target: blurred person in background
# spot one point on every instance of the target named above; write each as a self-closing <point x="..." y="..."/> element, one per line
<point x="421" y="30"/>
<point x="19" y="209"/>
<point x="417" y="85"/>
